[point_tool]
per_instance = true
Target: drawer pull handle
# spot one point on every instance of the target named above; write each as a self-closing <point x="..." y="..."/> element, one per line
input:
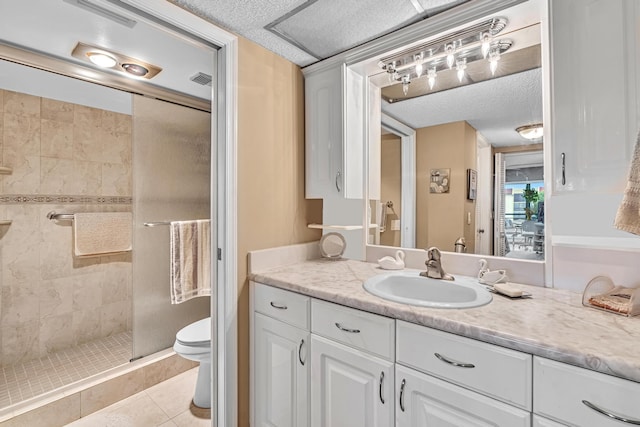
<point x="564" y="177"/>
<point x="609" y="414"/>
<point x="278" y="306"/>
<point x="300" y="351"/>
<point x="381" y="382"/>
<point x="338" y="179"/>
<point x="454" y="363"/>
<point x="402" y="384"/>
<point x="353" y="331"/>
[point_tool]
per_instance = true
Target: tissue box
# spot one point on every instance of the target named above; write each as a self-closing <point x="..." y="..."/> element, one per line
<point x="602" y="294"/>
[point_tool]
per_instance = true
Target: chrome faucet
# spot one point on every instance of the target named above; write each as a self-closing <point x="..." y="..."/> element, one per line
<point x="434" y="265"/>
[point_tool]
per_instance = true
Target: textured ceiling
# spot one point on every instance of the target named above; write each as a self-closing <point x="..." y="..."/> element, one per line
<point x="493" y="107"/>
<point x="307" y="31"/>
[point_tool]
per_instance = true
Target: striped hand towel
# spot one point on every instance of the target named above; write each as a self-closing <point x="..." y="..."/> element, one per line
<point x="190" y="259"/>
<point x="628" y="215"/>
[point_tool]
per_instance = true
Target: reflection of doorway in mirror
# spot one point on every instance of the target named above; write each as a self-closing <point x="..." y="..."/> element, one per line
<point x="523" y="171"/>
<point x="390" y="189"/>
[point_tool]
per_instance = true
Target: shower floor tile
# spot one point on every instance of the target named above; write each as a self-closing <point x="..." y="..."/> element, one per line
<point x="23" y="381"/>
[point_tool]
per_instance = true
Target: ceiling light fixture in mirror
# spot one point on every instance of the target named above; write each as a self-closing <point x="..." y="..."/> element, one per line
<point x="456" y="50"/>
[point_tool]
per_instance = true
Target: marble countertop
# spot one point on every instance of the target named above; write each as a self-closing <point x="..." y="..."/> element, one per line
<point x="552" y="324"/>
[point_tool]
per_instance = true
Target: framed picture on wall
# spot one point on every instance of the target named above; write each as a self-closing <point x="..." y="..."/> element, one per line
<point x="472" y="184"/>
<point x="439" y="181"/>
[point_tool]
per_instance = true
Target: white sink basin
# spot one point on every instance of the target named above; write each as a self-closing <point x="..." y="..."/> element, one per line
<point x="411" y="288"/>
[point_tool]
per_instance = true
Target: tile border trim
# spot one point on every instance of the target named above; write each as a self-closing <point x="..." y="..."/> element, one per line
<point x="42" y="199"/>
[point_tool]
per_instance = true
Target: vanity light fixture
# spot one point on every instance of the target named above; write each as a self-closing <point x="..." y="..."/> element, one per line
<point x="475" y="43"/>
<point x="109" y="59"/>
<point x="532" y="131"/>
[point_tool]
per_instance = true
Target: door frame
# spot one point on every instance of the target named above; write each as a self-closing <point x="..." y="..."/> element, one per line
<point x="224" y="303"/>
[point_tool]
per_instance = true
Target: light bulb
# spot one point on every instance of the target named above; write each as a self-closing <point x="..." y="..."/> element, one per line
<point x="102" y="59"/>
<point x="461" y="65"/>
<point x="486" y="43"/>
<point x="450" y="50"/>
<point x="494" y="57"/>
<point x="431" y="75"/>
<point x="418" y="57"/>
<point x="406" y="81"/>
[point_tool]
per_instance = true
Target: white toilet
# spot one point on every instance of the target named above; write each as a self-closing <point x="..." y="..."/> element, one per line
<point x="193" y="342"/>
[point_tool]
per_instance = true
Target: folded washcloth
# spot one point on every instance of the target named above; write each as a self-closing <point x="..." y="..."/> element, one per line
<point x="190" y="259"/>
<point x="628" y="215"/>
<point x="101" y="233"/>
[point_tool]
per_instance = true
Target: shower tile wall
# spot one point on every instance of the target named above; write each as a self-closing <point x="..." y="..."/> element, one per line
<point x="69" y="158"/>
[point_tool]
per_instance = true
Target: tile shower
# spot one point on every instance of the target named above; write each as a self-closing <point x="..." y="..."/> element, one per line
<point x="54" y="308"/>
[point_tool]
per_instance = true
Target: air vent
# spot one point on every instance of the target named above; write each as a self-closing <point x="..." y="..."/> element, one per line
<point x="202" y="79"/>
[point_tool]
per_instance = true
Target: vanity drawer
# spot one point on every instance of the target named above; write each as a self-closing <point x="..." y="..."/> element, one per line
<point x="561" y="390"/>
<point x="282" y="305"/>
<point x="365" y="331"/>
<point x="488" y="369"/>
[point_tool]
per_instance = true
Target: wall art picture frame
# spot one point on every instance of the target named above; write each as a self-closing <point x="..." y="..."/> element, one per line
<point x="472" y="184"/>
<point x="439" y="181"/>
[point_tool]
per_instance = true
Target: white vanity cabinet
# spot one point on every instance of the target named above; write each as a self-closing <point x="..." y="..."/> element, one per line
<point x="427" y="401"/>
<point x="352" y="369"/>
<point x="595" y="92"/>
<point x="445" y="379"/>
<point x="579" y="397"/>
<point x="280" y="358"/>
<point x="334" y="133"/>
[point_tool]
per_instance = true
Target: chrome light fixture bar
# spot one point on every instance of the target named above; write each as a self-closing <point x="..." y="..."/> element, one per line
<point x="455" y="50"/>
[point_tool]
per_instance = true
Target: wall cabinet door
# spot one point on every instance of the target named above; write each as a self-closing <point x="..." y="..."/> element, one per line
<point x="281" y="372"/>
<point x="334" y="133"/>
<point x="423" y="400"/>
<point x="595" y="92"/>
<point x="349" y="388"/>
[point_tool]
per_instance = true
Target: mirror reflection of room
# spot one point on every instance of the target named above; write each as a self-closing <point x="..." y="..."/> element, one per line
<point x="463" y="126"/>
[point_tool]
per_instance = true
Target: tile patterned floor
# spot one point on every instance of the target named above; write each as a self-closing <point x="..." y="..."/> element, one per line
<point x="167" y="404"/>
<point x="23" y="381"/>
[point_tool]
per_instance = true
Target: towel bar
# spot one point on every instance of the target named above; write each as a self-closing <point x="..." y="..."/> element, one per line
<point x="156" y="224"/>
<point x="59" y="216"/>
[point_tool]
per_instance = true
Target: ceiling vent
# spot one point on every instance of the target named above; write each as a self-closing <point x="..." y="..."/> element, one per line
<point x="202" y="79"/>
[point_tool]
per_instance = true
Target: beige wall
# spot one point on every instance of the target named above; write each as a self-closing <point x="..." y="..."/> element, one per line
<point x="272" y="210"/>
<point x="442" y="217"/>
<point x="391" y="185"/>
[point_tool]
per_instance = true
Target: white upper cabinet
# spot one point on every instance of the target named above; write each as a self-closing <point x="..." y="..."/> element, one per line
<point x="594" y="62"/>
<point x="334" y="102"/>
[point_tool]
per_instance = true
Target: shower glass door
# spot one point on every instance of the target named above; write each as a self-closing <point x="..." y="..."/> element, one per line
<point x="172" y="181"/>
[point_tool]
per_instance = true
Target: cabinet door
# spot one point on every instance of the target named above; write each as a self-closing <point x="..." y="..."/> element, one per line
<point x="281" y="374"/>
<point x="349" y="388"/>
<point x="544" y="422"/>
<point x="424" y="401"/>
<point x="324" y="133"/>
<point x="595" y="95"/>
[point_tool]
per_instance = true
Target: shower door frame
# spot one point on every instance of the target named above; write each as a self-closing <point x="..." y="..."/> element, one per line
<point x="224" y="203"/>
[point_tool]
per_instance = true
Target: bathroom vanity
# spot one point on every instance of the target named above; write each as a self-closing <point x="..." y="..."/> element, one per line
<point x="325" y="353"/>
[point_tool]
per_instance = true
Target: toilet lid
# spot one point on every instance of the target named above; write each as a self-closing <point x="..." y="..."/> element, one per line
<point x="196" y="333"/>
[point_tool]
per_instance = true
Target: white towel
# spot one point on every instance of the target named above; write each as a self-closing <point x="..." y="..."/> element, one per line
<point x="190" y="259"/>
<point x="628" y="216"/>
<point x="100" y="233"/>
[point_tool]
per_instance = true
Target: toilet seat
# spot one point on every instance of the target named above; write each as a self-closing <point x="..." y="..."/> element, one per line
<point x="197" y="334"/>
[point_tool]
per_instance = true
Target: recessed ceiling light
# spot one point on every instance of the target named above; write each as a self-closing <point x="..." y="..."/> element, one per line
<point x="135" y="69"/>
<point x="101" y="59"/>
<point x="115" y="61"/>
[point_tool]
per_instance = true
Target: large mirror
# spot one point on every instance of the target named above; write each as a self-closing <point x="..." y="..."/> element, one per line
<point x="466" y="181"/>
